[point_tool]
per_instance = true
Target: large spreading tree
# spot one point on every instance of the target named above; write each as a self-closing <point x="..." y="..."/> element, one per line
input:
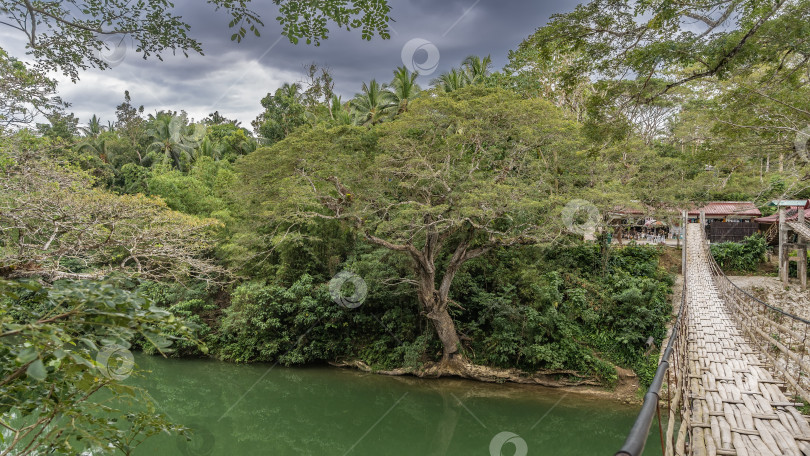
<point x="455" y="177"/>
<point x="54" y="224"/>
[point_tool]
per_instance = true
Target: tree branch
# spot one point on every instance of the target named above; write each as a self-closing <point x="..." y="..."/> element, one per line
<point x="724" y="60"/>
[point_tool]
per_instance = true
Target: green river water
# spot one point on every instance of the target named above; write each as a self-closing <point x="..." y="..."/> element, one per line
<point x="266" y="410"/>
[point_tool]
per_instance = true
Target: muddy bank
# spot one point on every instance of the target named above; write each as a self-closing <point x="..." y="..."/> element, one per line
<point x="626" y="389"/>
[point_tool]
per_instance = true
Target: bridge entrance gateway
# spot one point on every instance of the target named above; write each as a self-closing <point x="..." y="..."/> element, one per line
<point x="734" y="368"/>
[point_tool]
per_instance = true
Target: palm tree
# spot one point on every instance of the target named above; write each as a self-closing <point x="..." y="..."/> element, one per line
<point x="452" y="80"/>
<point x="97" y="145"/>
<point x="474" y="70"/>
<point x="167" y="137"/>
<point x="102" y="148"/>
<point x="403" y="88"/>
<point x="477" y="69"/>
<point x="372" y="105"/>
<point x="93" y="128"/>
<point x="291" y="91"/>
<point x="338" y="112"/>
<point x="207" y="148"/>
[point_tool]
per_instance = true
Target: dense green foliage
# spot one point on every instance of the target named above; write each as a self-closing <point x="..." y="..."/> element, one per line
<point x="740" y="256"/>
<point x="54" y="383"/>
<point x="535" y="309"/>
<point x="445" y="200"/>
<point x="558" y="309"/>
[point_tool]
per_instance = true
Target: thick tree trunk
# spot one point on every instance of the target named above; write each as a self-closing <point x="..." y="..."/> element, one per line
<point x="439" y="317"/>
<point x="434" y="301"/>
<point x="446" y="330"/>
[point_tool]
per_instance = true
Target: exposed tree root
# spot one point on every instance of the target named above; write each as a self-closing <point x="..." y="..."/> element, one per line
<point x="465" y="369"/>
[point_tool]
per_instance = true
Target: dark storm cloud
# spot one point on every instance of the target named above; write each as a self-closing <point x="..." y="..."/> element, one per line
<point x="232" y="77"/>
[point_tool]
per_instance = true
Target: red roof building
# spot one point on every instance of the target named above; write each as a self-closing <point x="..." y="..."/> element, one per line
<point x="790" y="215"/>
<point x="728" y="209"/>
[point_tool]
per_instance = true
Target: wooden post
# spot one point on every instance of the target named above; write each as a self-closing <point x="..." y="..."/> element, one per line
<point x="678" y="237"/>
<point x="703" y="225"/>
<point x="783" y="257"/>
<point x="801" y="258"/>
<point x="683" y="244"/>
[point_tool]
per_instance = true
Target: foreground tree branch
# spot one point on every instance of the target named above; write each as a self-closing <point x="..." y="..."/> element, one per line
<point x="649" y="49"/>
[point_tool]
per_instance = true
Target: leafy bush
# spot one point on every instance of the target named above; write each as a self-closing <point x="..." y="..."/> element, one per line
<point x="301" y="324"/>
<point x="55" y="380"/>
<point x="272" y="323"/>
<point x="740" y="256"/>
<point x="556" y="308"/>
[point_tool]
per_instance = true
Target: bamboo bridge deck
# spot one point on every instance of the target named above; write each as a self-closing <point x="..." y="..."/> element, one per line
<point x="735" y="372"/>
<point x="737" y="406"/>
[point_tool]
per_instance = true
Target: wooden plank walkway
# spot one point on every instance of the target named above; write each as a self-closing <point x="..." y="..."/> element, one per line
<point x="737" y="408"/>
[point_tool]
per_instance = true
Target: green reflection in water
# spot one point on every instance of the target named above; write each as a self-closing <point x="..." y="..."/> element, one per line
<point x="256" y="409"/>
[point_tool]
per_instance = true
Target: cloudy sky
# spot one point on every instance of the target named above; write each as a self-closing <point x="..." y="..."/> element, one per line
<point x="232" y="77"/>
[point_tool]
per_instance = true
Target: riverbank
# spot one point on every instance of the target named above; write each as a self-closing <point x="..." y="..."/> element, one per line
<point x="626" y="389"/>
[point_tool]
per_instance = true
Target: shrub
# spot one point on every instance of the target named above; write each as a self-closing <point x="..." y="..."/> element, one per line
<point x="573" y="316"/>
<point x="742" y="256"/>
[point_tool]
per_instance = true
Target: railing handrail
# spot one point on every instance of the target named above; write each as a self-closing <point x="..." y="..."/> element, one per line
<point x="776" y="309"/>
<point x="637" y="437"/>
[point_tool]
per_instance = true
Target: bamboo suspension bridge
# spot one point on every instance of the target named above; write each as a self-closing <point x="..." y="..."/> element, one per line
<point x="735" y="375"/>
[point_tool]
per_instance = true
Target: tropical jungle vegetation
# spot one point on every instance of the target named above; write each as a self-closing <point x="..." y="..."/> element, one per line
<point x="183" y="237"/>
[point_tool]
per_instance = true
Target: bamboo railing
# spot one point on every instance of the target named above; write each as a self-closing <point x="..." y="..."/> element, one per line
<point x="781" y="336"/>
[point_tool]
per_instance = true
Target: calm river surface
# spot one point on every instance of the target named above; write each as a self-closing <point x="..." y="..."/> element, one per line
<point x="265" y="410"/>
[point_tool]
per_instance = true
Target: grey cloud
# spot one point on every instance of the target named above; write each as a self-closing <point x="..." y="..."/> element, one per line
<point x="240" y="74"/>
